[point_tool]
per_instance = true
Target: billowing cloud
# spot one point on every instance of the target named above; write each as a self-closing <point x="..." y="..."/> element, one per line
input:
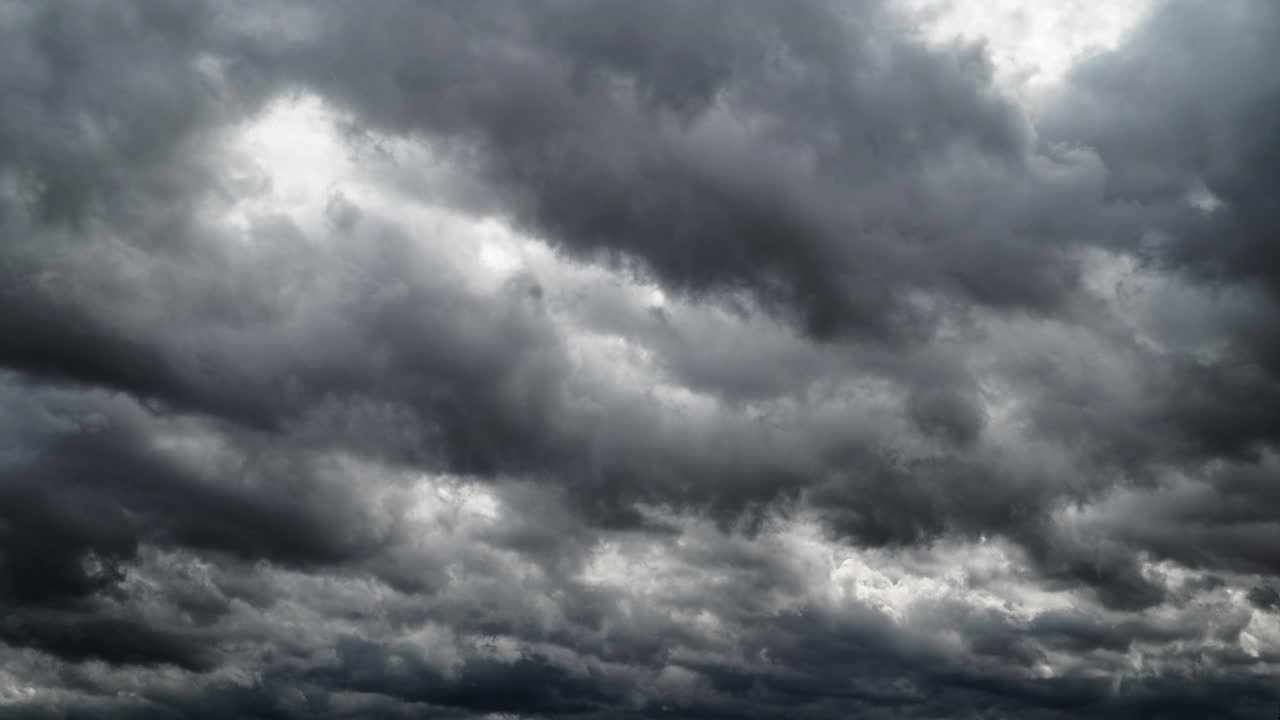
<point x="630" y="360"/>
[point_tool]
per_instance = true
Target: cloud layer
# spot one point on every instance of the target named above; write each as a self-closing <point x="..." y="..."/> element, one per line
<point x="630" y="360"/>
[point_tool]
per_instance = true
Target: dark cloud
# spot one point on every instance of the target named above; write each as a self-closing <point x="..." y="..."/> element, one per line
<point x="1181" y="116"/>
<point x="113" y="641"/>
<point x="1264" y="597"/>
<point x="784" y="154"/>
<point x="612" y="360"/>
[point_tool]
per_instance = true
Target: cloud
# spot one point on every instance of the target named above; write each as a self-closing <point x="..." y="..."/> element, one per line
<point x="633" y="360"/>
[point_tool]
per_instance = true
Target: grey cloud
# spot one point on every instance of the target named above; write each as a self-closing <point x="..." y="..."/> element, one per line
<point x="1264" y="597"/>
<point x="783" y="154"/>
<point x="266" y="463"/>
<point x="1179" y="117"/>
<point x="113" y="641"/>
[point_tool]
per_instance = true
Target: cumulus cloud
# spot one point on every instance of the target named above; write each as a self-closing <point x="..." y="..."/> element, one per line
<point x="666" y="359"/>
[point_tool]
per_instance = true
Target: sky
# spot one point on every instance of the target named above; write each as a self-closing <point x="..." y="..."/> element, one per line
<point x="622" y="360"/>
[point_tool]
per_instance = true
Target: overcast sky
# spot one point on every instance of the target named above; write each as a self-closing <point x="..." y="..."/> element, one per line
<point x="617" y="360"/>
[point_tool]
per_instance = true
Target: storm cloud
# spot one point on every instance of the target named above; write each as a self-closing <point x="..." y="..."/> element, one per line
<point x="580" y="358"/>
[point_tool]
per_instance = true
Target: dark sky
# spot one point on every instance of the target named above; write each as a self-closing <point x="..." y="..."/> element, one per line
<point x="668" y="359"/>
